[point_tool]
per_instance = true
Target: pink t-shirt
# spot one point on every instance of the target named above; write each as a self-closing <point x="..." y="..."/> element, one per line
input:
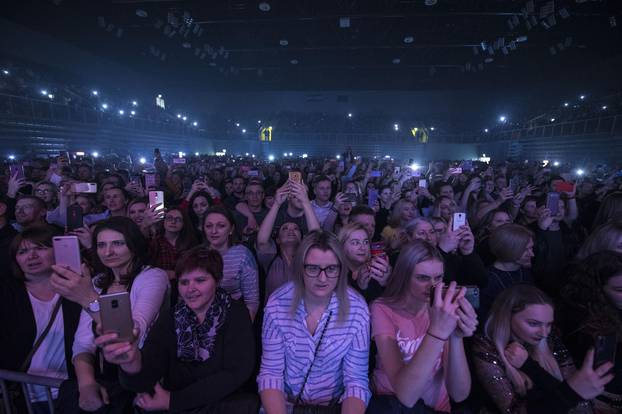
<point x="408" y="331"/>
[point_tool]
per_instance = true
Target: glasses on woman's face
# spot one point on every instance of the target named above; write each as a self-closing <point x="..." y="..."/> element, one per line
<point x="331" y="271"/>
<point x="171" y="219"/>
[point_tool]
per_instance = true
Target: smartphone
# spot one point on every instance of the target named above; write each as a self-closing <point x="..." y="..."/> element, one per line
<point x="375" y="173"/>
<point x="350" y="197"/>
<point x="377" y="249"/>
<point x="372" y="197"/>
<point x="423" y="183"/>
<point x="563" y="187"/>
<point x="90" y="188"/>
<point x="67" y="252"/>
<point x="341" y="165"/>
<point x="74" y="217"/>
<point x="17" y="170"/>
<point x="605" y="349"/>
<point x="467" y="165"/>
<point x="116" y="315"/>
<point x="150" y="180"/>
<point x="471" y="295"/>
<point x="295" y="176"/>
<point x="155" y="198"/>
<point x="253" y="173"/>
<point x="552" y="202"/>
<point x="514" y="182"/>
<point x="456" y="170"/>
<point x="459" y="220"/>
<point x="396" y="171"/>
<point x="179" y="160"/>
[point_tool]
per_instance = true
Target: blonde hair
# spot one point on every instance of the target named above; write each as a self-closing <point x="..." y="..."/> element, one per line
<point x="498" y="329"/>
<point x="344" y="235"/>
<point x="509" y="241"/>
<point x="395" y="219"/>
<point x="324" y="241"/>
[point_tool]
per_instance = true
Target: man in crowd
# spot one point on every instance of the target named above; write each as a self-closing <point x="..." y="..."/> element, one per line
<point x="29" y="211"/>
<point x="322" y="204"/>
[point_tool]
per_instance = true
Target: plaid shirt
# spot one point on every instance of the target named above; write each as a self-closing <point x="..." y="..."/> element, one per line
<point x="162" y="253"/>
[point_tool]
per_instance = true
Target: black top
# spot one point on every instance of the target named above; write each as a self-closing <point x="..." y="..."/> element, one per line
<point x="498" y="281"/>
<point x="196" y="384"/>
<point x="464" y="269"/>
<point x="7" y="233"/>
<point x="19" y="328"/>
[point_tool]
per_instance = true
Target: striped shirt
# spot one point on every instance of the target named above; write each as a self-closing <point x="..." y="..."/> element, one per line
<point x="240" y="278"/>
<point x="341" y="366"/>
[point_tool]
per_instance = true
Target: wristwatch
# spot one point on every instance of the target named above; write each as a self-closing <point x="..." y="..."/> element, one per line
<point x="93" y="306"/>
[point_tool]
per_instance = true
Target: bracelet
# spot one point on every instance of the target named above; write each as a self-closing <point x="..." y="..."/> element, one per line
<point x="437" y="337"/>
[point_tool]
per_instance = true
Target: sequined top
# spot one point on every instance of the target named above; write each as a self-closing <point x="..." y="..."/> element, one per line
<point x="548" y="394"/>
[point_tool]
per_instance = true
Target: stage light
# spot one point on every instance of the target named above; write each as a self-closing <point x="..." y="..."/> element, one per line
<point x="566" y="104"/>
<point x="6" y="72"/>
<point x="132" y="112"/>
<point x="134" y="103"/>
<point x="178" y="116"/>
<point x="95" y="154"/>
<point x="486" y="130"/>
<point x="604" y="107"/>
<point x="580" y="172"/>
<point x="431" y="128"/>
<point x="396" y="127"/>
<point x="338" y="157"/>
<point x="387" y="156"/>
<point x="184" y="118"/>
<point x="552" y="119"/>
<point x="11" y="157"/>
<point x="253" y="155"/>
<point x="349" y="115"/>
<point x="104" y="106"/>
<point x="582" y="97"/>
<point x="243" y="131"/>
<point x="415" y="166"/>
<point x="408" y="39"/>
<point x="143" y="160"/>
<point x="246" y="154"/>
<point x="44" y="92"/>
<point x="502" y="118"/>
<point x="196" y="154"/>
<point x="195" y="123"/>
<point x="304" y="155"/>
<point x="51" y="96"/>
<point x="95" y="93"/>
<point x="285" y="154"/>
<point x="259" y="122"/>
<point x="181" y="154"/>
<point x="121" y="112"/>
<point x="270" y="157"/>
<point x="237" y="124"/>
<point x="291" y="154"/>
<point x="556" y="164"/>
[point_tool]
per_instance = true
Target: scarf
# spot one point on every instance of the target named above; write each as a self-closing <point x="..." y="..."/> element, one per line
<point x="196" y="341"/>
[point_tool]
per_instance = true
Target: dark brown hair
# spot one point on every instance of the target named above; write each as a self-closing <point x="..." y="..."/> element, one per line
<point x="203" y="258"/>
<point x="38" y="235"/>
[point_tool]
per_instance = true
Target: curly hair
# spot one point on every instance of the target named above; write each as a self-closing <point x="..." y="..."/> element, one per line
<point x="585" y="295"/>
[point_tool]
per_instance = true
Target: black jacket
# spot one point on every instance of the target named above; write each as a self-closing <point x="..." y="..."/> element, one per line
<point x="196" y="384"/>
<point x="19" y="328"/>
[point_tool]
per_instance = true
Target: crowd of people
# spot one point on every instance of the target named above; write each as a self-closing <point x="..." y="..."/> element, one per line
<point x="316" y="285"/>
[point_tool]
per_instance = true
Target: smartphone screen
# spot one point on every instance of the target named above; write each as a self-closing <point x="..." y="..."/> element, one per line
<point x="605" y="349"/>
<point x="150" y="180"/>
<point x="375" y="173"/>
<point x="471" y="295"/>
<point x="155" y="198"/>
<point x="116" y="315"/>
<point x="423" y="183"/>
<point x="552" y="202"/>
<point x="459" y="221"/>
<point x="67" y="252"/>
<point x="17" y="171"/>
<point x="295" y="176"/>
<point x="74" y="217"/>
<point x="372" y="197"/>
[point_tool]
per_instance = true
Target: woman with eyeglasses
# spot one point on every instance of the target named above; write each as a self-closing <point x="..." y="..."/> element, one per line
<point x="316" y="335"/>
<point x="368" y="274"/>
<point x="175" y="236"/>
<point x="419" y="328"/>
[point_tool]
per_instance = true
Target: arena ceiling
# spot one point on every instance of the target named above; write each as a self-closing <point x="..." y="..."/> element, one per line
<point x="337" y="44"/>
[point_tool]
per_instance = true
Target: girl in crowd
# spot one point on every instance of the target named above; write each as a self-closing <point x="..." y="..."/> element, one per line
<point x="198" y="204"/>
<point x="512" y="247"/>
<point x="176" y="236"/>
<point x="277" y="256"/>
<point x="136" y="210"/>
<point x="85" y="202"/>
<point x="523" y="365"/>
<point x="445" y="208"/>
<point x="368" y="275"/>
<point x="121" y="252"/>
<point x="201" y="353"/>
<point x="315" y="335"/>
<point x="606" y="237"/>
<point x="592" y="306"/>
<point x="48" y="192"/>
<point x="28" y="305"/>
<point x="610" y="208"/>
<point x="240" y="276"/>
<point x="419" y="330"/>
<point x="403" y="211"/>
<point x="489" y="222"/>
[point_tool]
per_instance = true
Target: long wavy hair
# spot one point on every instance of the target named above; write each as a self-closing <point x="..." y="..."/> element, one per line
<point x="324" y="241"/>
<point x="610" y="208"/>
<point x="584" y="293"/>
<point x="498" y="326"/>
<point x="134" y="241"/>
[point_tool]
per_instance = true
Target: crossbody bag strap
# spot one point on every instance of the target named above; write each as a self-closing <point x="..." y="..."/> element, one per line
<point x="317" y="348"/>
<point x="24" y="367"/>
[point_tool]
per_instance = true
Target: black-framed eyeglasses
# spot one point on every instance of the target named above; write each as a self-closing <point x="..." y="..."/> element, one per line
<point x="331" y="271"/>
